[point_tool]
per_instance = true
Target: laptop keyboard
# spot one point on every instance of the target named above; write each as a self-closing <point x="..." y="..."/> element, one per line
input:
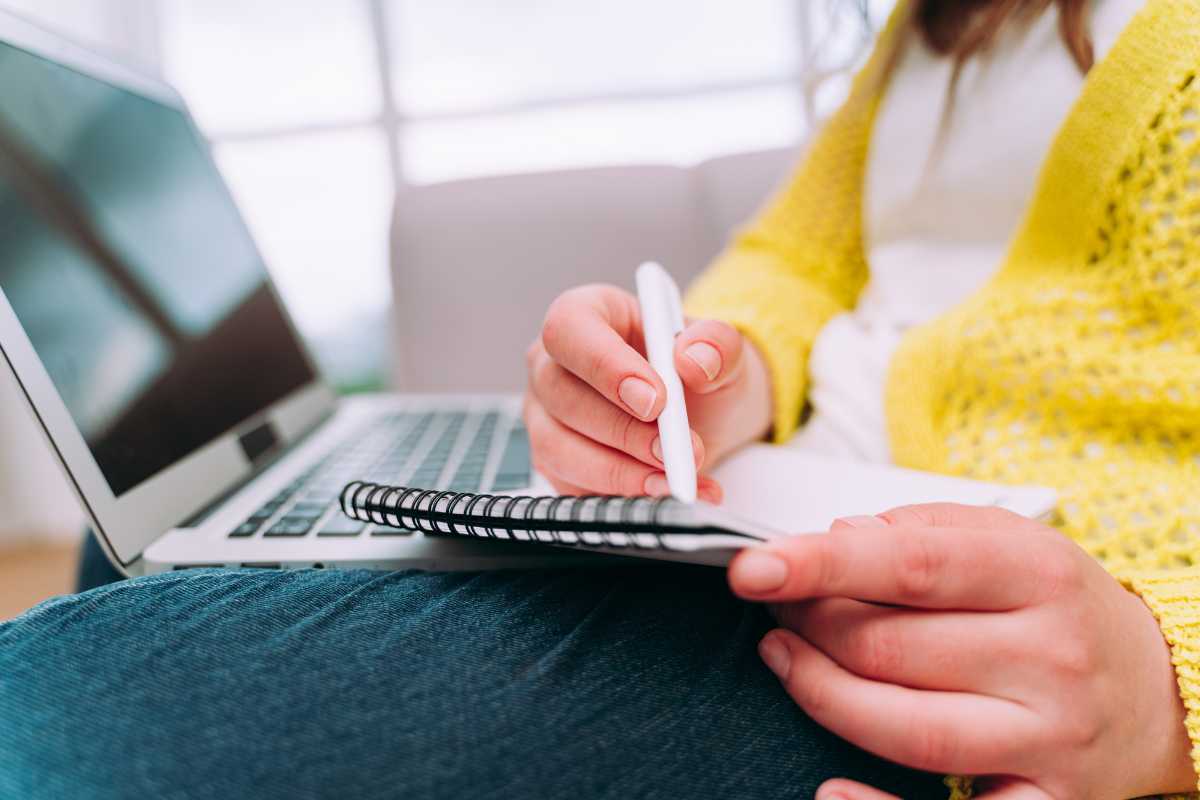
<point x="435" y="450"/>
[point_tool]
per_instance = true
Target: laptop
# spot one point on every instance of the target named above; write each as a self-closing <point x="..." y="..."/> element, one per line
<point x="143" y="328"/>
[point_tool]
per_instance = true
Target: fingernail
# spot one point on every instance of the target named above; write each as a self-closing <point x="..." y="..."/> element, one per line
<point x="706" y="357"/>
<point x="656" y="448"/>
<point x="863" y="522"/>
<point x="638" y="396"/>
<point x="758" y="572"/>
<point x="775" y="655"/>
<point x="656" y="485"/>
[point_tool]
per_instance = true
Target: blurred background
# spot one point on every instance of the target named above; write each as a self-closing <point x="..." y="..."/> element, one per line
<point x="361" y="136"/>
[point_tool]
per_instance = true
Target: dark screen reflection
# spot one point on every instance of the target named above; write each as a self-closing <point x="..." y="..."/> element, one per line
<point x="131" y="271"/>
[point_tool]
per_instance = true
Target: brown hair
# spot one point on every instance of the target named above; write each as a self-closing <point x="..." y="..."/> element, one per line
<point x="963" y="28"/>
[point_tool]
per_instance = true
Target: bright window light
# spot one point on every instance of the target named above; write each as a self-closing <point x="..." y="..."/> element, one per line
<point x="248" y="65"/>
<point x="452" y="55"/>
<point x="677" y="131"/>
<point x="319" y="204"/>
<point x="294" y="97"/>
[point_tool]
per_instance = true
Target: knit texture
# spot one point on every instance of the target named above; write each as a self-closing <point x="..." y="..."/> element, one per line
<point x="1077" y="365"/>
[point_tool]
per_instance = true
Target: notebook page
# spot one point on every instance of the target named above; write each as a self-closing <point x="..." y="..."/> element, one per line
<point x="803" y="493"/>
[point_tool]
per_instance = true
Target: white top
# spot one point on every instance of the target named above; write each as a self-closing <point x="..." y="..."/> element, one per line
<point x="936" y="225"/>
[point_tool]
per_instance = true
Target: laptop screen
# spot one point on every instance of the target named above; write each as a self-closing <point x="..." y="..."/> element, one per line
<point x="131" y="271"/>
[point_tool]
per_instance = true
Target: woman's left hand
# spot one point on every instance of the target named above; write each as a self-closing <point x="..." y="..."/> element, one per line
<point x="973" y="641"/>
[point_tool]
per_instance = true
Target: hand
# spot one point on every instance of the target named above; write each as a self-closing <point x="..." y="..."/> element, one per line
<point x="973" y="641"/>
<point x="593" y="398"/>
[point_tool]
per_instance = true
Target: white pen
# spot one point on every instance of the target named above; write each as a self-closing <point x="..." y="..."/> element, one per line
<point x="662" y="320"/>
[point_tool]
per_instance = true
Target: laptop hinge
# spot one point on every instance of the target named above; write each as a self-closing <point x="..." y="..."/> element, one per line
<point x="259" y="441"/>
<point x="265" y="459"/>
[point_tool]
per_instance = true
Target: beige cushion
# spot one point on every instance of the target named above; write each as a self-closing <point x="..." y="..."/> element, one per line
<point x="476" y="262"/>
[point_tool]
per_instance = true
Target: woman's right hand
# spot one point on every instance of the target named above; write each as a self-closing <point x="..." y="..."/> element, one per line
<point x="593" y="397"/>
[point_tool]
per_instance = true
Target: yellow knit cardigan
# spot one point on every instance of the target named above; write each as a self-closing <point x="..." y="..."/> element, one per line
<point x="1078" y="365"/>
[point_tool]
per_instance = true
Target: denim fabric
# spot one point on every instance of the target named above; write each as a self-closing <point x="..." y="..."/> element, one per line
<point x="94" y="569"/>
<point x="613" y="683"/>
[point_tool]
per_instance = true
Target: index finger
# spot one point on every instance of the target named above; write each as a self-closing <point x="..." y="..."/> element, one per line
<point x="946" y="568"/>
<point x="588" y="331"/>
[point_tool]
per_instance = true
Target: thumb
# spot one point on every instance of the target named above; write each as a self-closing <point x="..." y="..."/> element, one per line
<point x="842" y="789"/>
<point x="955" y="515"/>
<point x="708" y="355"/>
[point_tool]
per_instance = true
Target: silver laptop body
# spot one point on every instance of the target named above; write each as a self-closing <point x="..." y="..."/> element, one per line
<point x="140" y="322"/>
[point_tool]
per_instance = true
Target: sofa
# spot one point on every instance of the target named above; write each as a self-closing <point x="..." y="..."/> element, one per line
<point x="476" y="262"/>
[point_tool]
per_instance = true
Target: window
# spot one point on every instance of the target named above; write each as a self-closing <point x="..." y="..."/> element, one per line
<point x="318" y="108"/>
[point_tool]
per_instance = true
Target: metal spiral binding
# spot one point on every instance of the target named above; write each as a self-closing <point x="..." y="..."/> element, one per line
<point x="589" y="521"/>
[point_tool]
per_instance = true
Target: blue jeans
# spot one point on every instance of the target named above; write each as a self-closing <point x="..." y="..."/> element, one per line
<point x="637" y="682"/>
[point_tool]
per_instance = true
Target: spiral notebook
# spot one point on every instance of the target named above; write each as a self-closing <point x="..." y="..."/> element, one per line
<point x="654" y="527"/>
<point x="770" y="492"/>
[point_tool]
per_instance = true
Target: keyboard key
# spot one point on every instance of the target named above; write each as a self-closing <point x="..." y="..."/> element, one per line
<point x="247" y="528"/>
<point x="506" y="483"/>
<point x="386" y="531"/>
<point x="309" y="519"/>
<point x="516" y="453"/>
<point x="384" y="454"/>
<point x="342" y="525"/>
<point x="290" y="528"/>
<point x="513" y="471"/>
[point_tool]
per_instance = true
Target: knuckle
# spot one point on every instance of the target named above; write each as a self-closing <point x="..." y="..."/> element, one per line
<point x="538" y="442"/>
<point x="930" y="747"/>
<point x="909" y="515"/>
<point x="877" y="650"/>
<point x="543" y="443"/>
<point x="556" y="325"/>
<point x="1060" y="571"/>
<point x="729" y="338"/>
<point x="619" y="477"/>
<point x="825" y="567"/>
<point x="1080" y="730"/>
<point x="919" y="567"/>
<point x="544" y="379"/>
<point x="531" y="354"/>
<point x="624" y="434"/>
<point x="1073" y="656"/>
<point x="817" y="698"/>
<point x="604" y="367"/>
<point x="530" y="412"/>
<point x="603" y="292"/>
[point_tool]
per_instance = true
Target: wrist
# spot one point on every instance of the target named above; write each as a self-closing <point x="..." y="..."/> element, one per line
<point x="760" y="400"/>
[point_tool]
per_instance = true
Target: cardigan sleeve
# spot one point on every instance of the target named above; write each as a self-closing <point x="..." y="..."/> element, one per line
<point x="1173" y="596"/>
<point x="781" y="280"/>
<point x="801" y="260"/>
